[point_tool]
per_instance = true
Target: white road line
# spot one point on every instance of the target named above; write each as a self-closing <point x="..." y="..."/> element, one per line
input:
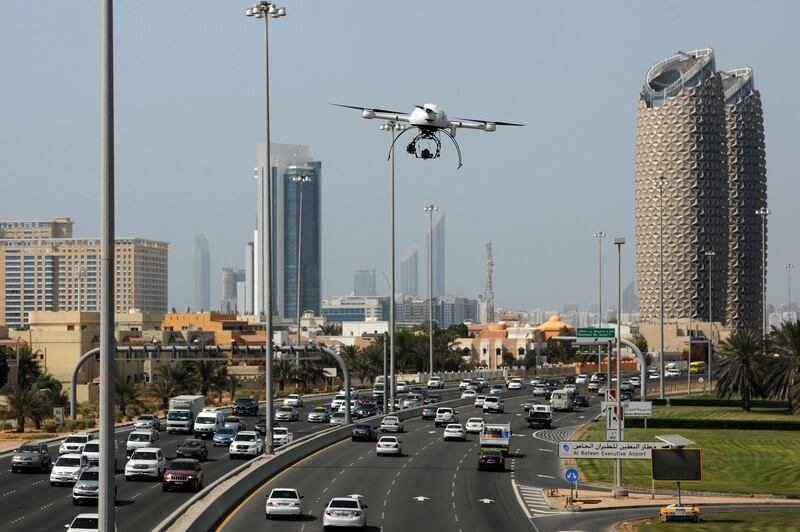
<point x="545" y="476"/>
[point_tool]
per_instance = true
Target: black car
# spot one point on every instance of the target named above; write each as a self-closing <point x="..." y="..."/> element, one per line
<point x="581" y="400"/>
<point x="432" y="400"/>
<point x="261" y="425"/>
<point x="491" y="460"/>
<point x="245" y="406"/>
<point x="367" y="410"/>
<point x="364" y="431"/>
<point x="418" y="390"/>
<point x="193" y="448"/>
<point x="568" y="380"/>
<point x="429" y="412"/>
<point x="626" y="395"/>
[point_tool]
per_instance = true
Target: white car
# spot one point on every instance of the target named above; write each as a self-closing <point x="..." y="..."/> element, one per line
<point x="468" y="394"/>
<point x="391" y="424"/>
<point x="337" y="418"/>
<point x="402" y="387"/>
<point x="672" y="372"/>
<point x="294" y="400"/>
<point x="636" y="381"/>
<point x="464" y="383"/>
<point x="85" y="523"/>
<point x="516" y="384"/>
<point x="493" y="404"/>
<point x="74" y="443"/>
<point x="146" y="462"/>
<point x="479" y="399"/>
<point x="474" y="425"/>
<point x="283" y="501"/>
<point x="68" y="468"/>
<point x="353" y="393"/>
<point x="412" y="401"/>
<point x="147" y="421"/>
<point x="445" y="415"/>
<point x="281" y="436"/>
<point x="388" y="445"/>
<point x="139" y="439"/>
<point x="436" y="382"/>
<point x="582" y="378"/>
<point x="570" y="388"/>
<point x="454" y="431"/>
<point x="248" y="443"/>
<point x="652" y="375"/>
<point x="345" y="511"/>
<point x="482" y="381"/>
<point x="336" y="403"/>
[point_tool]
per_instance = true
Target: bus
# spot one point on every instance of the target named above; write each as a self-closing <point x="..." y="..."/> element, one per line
<point x="697" y="367"/>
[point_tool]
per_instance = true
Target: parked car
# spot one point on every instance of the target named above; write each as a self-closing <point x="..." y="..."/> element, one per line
<point x="582" y="378"/>
<point x="68" y="468"/>
<point x="626" y="395"/>
<point x="146" y="462"/>
<point x="287" y="413"/>
<point x="391" y="424"/>
<point x="247" y="443"/>
<point x="245" y="406"/>
<point x="402" y="387"/>
<point x="183" y="473"/>
<point x="193" y="448"/>
<point x="31" y="456"/>
<point x="388" y="445"/>
<point x="593" y="386"/>
<point x="491" y="459"/>
<point x="147" y="421"/>
<point x="284" y="501"/>
<point x="454" y="431"/>
<point x="363" y="432"/>
<point x="345" y="511"/>
<point x="636" y="381"/>
<point x="671" y="372"/>
<point x="224" y="436"/>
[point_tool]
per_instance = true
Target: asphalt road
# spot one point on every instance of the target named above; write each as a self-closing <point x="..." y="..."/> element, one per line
<point x="435" y="485"/>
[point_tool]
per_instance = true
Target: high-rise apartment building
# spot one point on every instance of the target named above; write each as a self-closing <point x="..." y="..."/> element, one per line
<point x="409" y="285"/>
<point x="63" y="274"/>
<point x="364" y="283"/>
<point x="288" y="162"/>
<point x="699" y="157"/>
<point x="202" y="273"/>
<point x="246" y="304"/>
<point x="58" y="227"/>
<point x="228" y="289"/>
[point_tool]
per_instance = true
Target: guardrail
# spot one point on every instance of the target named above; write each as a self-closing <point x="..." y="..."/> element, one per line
<point x="226" y="492"/>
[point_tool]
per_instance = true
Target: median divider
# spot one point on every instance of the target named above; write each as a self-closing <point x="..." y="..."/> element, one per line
<point x="209" y="508"/>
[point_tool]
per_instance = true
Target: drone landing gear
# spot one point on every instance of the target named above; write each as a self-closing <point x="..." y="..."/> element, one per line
<point x="432" y="147"/>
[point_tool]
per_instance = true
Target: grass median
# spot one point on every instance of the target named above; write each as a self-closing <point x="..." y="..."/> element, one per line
<point x="734" y="461"/>
<point x="750" y="521"/>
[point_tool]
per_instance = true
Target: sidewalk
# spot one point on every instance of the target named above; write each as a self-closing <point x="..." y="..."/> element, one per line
<point x="601" y="500"/>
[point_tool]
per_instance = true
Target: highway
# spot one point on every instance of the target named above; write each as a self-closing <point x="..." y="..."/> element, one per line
<point x="435" y="485"/>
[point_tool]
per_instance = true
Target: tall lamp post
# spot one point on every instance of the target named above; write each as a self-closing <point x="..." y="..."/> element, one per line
<point x="710" y="255"/>
<point x="662" y="184"/>
<point x="300" y="180"/>
<point x="430" y="209"/>
<point x="600" y="235"/>
<point x="265" y="10"/>
<point x="385" y="337"/>
<point x="393" y="128"/>
<point x="764" y="212"/>
<point x="106" y="497"/>
<point x="619" y="242"/>
<point x="789" y="287"/>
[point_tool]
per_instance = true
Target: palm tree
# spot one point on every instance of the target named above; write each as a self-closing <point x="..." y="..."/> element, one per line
<point x="164" y="385"/>
<point x="741" y="366"/>
<point x="783" y="377"/>
<point x="126" y="392"/>
<point x="185" y="376"/>
<point x="283" y="372"/>
<point x="330" y="329"/>
<point x="25" y="403"/>
<point x="28" y="369"/>
<point x="233" y="385"/>
<point x="310" y="373"/>
<point x="207" y="371"/>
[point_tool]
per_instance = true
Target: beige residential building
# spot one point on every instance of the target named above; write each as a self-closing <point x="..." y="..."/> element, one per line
<point x="63" y="274"/>
<point x="58" y="227"/>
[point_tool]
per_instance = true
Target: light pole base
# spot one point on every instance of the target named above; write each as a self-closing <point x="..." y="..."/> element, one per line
<point x="619" y="493"/>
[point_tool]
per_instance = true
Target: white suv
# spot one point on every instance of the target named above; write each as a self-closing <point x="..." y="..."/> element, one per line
<point x="139" y="439"/>
<point x="516" y="384"/>
<point x="464" y="383"/>
<point x="445" y="415"/>
<point x="493" y="404"/>
<point x="436" y="382"/>
<point x="246" y="443"/>
<point x="68" y="468"/>
<point x="74" y="443"/>
<point x="146" y="462"/>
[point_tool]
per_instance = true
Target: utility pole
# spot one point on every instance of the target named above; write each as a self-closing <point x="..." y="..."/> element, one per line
<point x="430" y="209"/>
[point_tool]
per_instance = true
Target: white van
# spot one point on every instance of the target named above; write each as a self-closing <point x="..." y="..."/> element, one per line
<point x="207" y="423"/>
<point x="563" y="400"/>
<point x="139" y="439"/>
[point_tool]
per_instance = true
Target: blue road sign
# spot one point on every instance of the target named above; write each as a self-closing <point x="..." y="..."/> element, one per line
<point x="571" y="475"/>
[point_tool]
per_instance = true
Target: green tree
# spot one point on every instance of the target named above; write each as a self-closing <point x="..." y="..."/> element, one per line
<point x="783" y="376"/>
<point x="28" y="369"/>
<point x="283" y="372"/>
<point x="640" y="342"/>
<point x="330" y="329"/>
<point x="23" y="402"/>
<point x="458" y="330"/>
<point x="47" y="382"/>
<point x="3" y="369"/>
<point x="207" y="372"/>
<point x="126" y="392"/>
<point x="233" y="385"/>
<point x="164" y="385"/>
<point x="309" y="373"/>
<point x="741" y="367"/>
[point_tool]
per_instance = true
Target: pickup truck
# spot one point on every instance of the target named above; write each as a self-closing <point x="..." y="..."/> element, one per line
<point x="539" y="416"/>
<point x="495" y="436"/>
<point x="445" y="415"/>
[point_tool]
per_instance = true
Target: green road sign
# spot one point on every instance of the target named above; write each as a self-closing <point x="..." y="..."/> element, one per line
<point x="595" y="332"/>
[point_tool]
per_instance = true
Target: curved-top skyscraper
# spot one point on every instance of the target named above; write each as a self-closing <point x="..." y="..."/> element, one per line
<point x="681" y="137"/>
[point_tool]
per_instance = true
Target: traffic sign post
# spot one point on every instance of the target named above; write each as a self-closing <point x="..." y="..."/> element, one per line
<point x="571" y="476"/>
<point x="594" y="332"/>
<point x="625" y="450"/>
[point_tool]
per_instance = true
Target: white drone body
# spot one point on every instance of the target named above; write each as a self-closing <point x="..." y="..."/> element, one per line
<point x="430" y="121"/>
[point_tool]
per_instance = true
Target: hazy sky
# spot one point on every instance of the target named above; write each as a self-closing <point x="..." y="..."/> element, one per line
<point x="189" y="112"/>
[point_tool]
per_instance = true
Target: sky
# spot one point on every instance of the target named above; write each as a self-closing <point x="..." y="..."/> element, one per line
<point x="189" y="113"/>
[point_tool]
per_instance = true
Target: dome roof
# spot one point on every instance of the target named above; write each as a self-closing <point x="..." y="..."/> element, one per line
<point x="554" y="324"/>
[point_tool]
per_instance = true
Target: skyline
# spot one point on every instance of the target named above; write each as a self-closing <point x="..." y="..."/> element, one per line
<point x="540" y="216"/>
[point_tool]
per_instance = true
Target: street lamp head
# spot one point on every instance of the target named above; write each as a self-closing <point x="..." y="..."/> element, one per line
<point x="619" y="241"/>
<point x="430" y="208"/>
<point x="281" y="11"/>
<point x="600" y="234"/>
<point x="710" y="253"/>
<point x="763" y="211"/>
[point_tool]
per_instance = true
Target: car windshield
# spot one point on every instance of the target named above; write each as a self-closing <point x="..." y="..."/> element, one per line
<point x="147" y="455"/>
<point x="283" y="494"/>
<point x="146" y="417"/>
<point x="75" y="439"/>
<point x="29" y="449"/>
<point x="280" y="431"/>
<point x="319" y="409"/>
<point x="245" y="437"/>
<point x="181" y="466"/>
<point x="90" y="475"/>
<point x="68" y="462"/>
<point x="88" y="523"/>
<point x="474" y="420"/>
<point x="453" y="427"/>
<point x="91" y="448"/>
<point x="242" y="402"/>
<point x="390" y="419"/>
<point x="285" y="409"/>
<point x="192" y="444"/>
<point x="178" y="416"/>
<point x="139" y="437"/>
<point x="343" y="504"/>
<point x="226" y="430"/>
<point x="389" y="439"/>
<point x="363" y="427"/>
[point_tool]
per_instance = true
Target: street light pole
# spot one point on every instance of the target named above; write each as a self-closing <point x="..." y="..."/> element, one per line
<point x="710" y="255"/>
<point x="106" y="497"/>
<point x="619" y="243"/>
<point x="300" y="180"/>
<point x="789" y="287"/>
<point x="764" y="212"/>
<point x="265" y="9"/>
<point x="600" y="235"/>
<point x="430" y="210"/>
<point x="662" y="183"/>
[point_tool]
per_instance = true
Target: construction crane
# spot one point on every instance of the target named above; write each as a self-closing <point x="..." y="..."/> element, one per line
<point x="488" y="291"/>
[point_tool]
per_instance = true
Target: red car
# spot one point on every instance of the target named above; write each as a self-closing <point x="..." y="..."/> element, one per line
<point x="183" y="473"/>
<point x="491" y="459"/>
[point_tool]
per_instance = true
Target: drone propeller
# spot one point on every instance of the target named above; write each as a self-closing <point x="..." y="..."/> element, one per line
<point x="489" y="122"/>
<point x="361" y="108"/>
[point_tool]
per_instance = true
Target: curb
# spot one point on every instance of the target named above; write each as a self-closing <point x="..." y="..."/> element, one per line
<point x="634" y="506"/>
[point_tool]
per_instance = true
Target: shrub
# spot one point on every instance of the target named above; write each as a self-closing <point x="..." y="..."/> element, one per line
<point x="90" y="423"/>
<point x="731" y="424"/>
<point x="51" y="427"/>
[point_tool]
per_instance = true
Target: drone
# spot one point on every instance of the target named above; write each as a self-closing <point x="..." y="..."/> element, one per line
<point x="430" y="122"/>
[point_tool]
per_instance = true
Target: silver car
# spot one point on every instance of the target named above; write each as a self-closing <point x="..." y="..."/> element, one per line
<point x="318" y="415"/>
<point x="147" y="421"/>
<point x="87" y="488"/>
